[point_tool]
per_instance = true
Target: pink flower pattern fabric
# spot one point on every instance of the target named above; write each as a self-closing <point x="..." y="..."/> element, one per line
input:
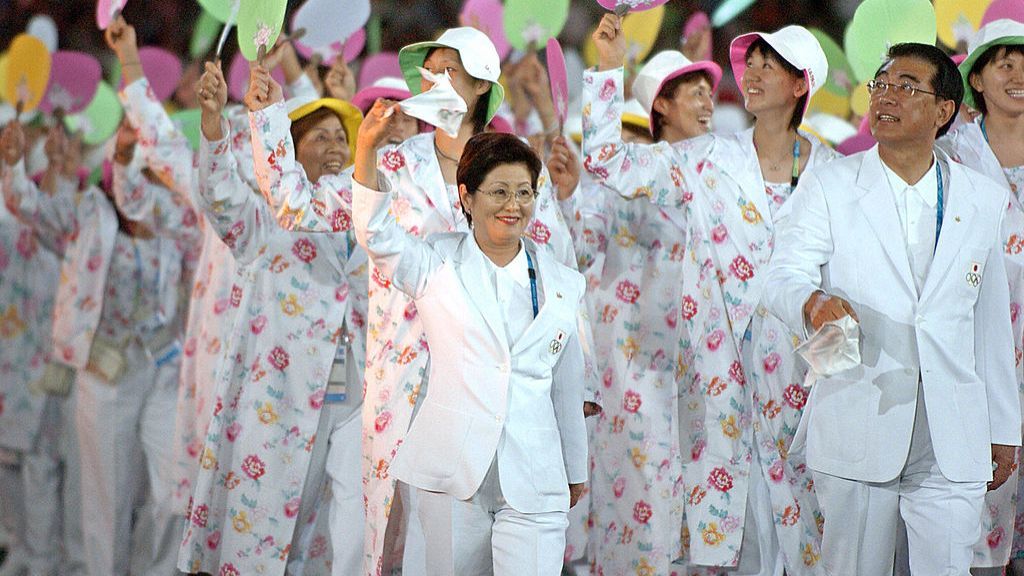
<point x="732" y="411"/>
<point x="1002" y="524"/>
<point x="303" y="297"/>
<point x="396" y="352"/>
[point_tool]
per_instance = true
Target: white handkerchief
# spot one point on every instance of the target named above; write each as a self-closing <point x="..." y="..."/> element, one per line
<point x="441" y="106"/>
<point x="835" y="347"/>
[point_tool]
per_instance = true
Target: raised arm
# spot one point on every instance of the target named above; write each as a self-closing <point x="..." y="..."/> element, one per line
<point x="164" y="148"/>
<point x="51" y="216"/>
<point x="236" y="211"/>
<point x="298" y="204"/>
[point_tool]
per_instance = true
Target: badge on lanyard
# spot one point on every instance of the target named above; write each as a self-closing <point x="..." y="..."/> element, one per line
<point x="556" y="345"/>
<point x="974" y="275"/>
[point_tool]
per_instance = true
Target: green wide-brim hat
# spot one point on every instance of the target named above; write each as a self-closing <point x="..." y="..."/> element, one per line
<point x="479" y="58"/>
<point x="1003" y="32"/>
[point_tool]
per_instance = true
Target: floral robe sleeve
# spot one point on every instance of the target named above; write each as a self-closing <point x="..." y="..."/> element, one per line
<point x="164" y="148"/>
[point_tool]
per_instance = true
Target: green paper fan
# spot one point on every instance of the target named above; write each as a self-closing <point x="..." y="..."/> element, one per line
<point x="190" y="123"/>
<point x="100" y="119"/>
<point x="219" y="9"/>
<point x="534" y="21"/>
<point x="840" y="79"/>
<point x="878" y="24"/>
<point x="204" y="35"/>
<point x="259" y="23"/>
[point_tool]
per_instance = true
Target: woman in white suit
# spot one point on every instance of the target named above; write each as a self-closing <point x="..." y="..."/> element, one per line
<point x="498" y="451"/>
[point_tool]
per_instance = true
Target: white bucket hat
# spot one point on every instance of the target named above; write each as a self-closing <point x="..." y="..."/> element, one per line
<point x="1004" y="32"/>
<point x="795" y="44"/>
<point x="660" y="69"/>
<point x="478" y="54"/>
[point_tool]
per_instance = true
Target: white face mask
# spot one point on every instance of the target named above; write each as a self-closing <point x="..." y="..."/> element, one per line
<point x="441" y="106"/>
<point x="835" y="347"/>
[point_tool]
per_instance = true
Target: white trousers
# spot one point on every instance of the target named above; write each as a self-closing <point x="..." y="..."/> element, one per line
<point x="484" y="535"/>
<point x="113" y="422"/>
<point x="943" y="518"/>
<point x="334" y="490"/>
<point x="52" y="477"/>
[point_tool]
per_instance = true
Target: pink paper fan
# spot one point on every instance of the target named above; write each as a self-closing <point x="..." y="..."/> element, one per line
<point x="487" y="16"/>
<point x="380" y="65"/>
<point x="238" y="77"/>
<point x="559" y="79"/>
<point x="74" y="77"/>
<point x="999" y="9"/>
<point x="350" y="51"/>
<point x="694" y="24"/>
<point x="163" y="70"/>
<point x="105" y="11"/>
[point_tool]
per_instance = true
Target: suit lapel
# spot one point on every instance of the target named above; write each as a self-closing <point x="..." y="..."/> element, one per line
<point x="956" y="223"/>
<point x="473" y="273"/>
<point x="551" y="299"/>
<point x="880" y="212"/>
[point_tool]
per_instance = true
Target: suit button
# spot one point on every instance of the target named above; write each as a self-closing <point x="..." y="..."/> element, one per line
<point x="919" y="319"/>
<point x="499" y="418"/>
<point x="503" y="368"/>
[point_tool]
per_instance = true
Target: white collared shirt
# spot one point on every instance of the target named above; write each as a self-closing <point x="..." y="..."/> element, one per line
<point x="511" y="285"/>
<point x="917" y="206"/>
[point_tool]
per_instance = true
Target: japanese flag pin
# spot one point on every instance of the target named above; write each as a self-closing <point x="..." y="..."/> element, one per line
<point x="957" y="218"/>
<point x="974" y="275"/>
<point x="556" y="345"/>
<point x="558" y="294"/>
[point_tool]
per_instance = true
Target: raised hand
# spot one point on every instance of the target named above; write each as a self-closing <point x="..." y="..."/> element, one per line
<point x="373" y="132"/>
<point x="340" y="82"/>
<point x="610" y="42"/>
<point x="120" y="37"/>
<point x="12" y="143"/>
<point x="213" y="96"/>
<point x="564" y="167"/>
<point x="263" y="89"/>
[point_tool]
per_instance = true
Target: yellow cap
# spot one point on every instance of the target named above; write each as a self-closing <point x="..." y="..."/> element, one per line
<point x="349" y="115"/>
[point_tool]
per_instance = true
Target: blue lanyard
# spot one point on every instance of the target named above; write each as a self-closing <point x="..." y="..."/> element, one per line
<point x="532" y="272"/>
<point x="984" y="132"/>
<point x="940" y="207"/>
<point x="796" y="162"/>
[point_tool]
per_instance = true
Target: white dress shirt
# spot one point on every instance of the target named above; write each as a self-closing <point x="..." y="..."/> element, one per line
<point x="917" y="208"/>
<point x="511" y="285"/>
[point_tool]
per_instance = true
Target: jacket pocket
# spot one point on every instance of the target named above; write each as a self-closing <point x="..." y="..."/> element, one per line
<point x="436" y="442"/>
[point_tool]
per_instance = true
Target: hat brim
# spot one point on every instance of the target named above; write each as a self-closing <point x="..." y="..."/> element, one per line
<point x="700" y="66"/>
<point x="968" y="63"/>
<point x="738" y="60"/>
<point x="349" y="115"/>
<point x="364" y="99"/>
<point x="413" y="56"/>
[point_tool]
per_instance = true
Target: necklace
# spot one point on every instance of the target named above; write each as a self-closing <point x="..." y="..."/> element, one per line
<point x="445" y="156"/>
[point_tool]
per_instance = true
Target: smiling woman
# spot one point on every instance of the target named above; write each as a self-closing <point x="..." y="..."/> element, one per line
<point x="324" y="132"/>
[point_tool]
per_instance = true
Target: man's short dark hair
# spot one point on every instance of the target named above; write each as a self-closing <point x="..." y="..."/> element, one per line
<point x="946" y="81"/>
<point x="488" y="150"/>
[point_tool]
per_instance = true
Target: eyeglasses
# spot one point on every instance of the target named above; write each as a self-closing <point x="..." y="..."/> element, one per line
<point x="904" y="90"/>
<point x="501" y="196"/>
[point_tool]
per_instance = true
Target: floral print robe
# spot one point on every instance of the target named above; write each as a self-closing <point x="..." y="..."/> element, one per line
<point x="1002" y="525"/>
<point x="27" y="269"/>
<point x="303" y="297"/>
<point x="163" y="149"/>
<point x="740" y="389"/>
<point x="631" y="253"/>
<point x="396" y="352"/>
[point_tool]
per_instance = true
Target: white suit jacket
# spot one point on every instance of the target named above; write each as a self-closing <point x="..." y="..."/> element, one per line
<point x="521" y="401"/>
<point x="840" y="232"/>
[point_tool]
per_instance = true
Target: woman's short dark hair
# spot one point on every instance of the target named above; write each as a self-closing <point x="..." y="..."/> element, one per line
<point x="303" y="125"/>
<point x="479" y="111"/>
<point x="946" y="81"/>
<point x="669" y="89"/>
<point x="992" y="53"/>
<point x="762" y="47"/>
<point x="488" y="150"/>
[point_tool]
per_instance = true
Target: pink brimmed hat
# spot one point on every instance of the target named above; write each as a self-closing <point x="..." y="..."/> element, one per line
<point x="389" y="88"/>
<point x="663" y="67"/>
<point x="795" y="44"/>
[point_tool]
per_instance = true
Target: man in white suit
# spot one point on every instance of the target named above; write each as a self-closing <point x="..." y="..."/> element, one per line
<point x="906" y="242"/>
